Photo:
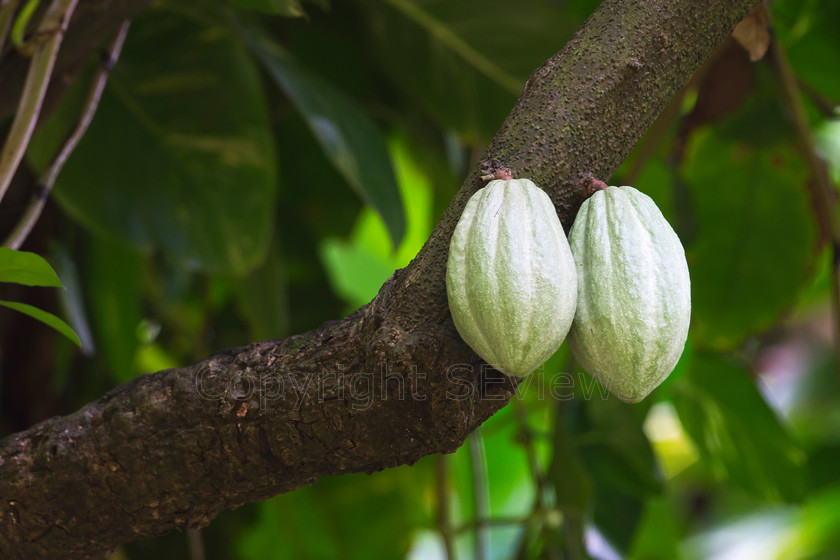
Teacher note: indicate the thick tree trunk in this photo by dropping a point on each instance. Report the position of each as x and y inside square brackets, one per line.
[383, 387]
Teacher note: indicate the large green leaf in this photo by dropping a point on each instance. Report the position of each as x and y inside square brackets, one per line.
[658, 534]
[736, 432]
[351, 517]
[621, 464]
[114, 283]
[180, 154]
[755, 243]
[22, 267]
[358, 267]
[73, 301]
[47, 318]
[467, 61]
[815, 532]
[808, 30]
[263, 297]
[349, 138]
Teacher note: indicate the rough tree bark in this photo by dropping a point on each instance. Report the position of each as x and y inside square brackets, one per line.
[385, 386]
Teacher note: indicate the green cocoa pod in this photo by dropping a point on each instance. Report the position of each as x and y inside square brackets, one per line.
[511, 279]
[634, 293]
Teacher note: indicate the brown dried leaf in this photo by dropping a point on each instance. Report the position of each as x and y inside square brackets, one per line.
[753, 33]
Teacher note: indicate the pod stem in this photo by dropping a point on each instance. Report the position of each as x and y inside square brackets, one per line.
[494, 169]
[592, 184]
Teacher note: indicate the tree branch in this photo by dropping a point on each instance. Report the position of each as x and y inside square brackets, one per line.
[52, 27]
[385, 386]
[93, 23]
[47, 179]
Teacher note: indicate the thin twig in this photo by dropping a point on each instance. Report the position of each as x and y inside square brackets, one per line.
[195, 544]
[443, 521]
[478, 463]
[526, 436]
[826, 106]
[48, 177]
[526, 433]
[53, 26]
[19, 28]
[821, 187]
[541, 515]
[7, 15]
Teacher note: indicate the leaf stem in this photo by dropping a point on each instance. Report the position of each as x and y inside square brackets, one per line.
[53, 25]
[541, 515]
[443, 520]
[22, 22]
[47, 179]
[550, 549]
[481, 499]
[821, 188]
[7, 15]
[195, 544]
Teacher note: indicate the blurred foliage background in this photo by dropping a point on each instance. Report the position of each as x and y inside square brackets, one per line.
[258, 167]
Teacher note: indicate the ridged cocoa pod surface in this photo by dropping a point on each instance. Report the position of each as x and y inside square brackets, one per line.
[634, 292]
[510, 278]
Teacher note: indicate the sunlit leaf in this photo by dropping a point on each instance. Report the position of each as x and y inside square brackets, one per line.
[22, 267]
[47, 318]
[755, 245]
[736, 432]
[815, 532]
[358, 267]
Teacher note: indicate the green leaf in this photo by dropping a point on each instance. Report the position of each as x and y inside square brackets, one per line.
[180, 154]
[349, 138]
[356, 274]
[658, 536]
[467, 61]
[288, 8]
[357, 268]
[815, 534]
[511, 489]
[47, 318]
[26, 268]
[808, 32]
[334, 520]
[736, 432]
[616, 449]
[73, 301]
[755, 244]
[573, 484]
[114, 284]
[621, 463]
[263, 297]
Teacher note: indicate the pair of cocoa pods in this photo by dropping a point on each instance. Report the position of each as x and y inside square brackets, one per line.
[619, 287]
